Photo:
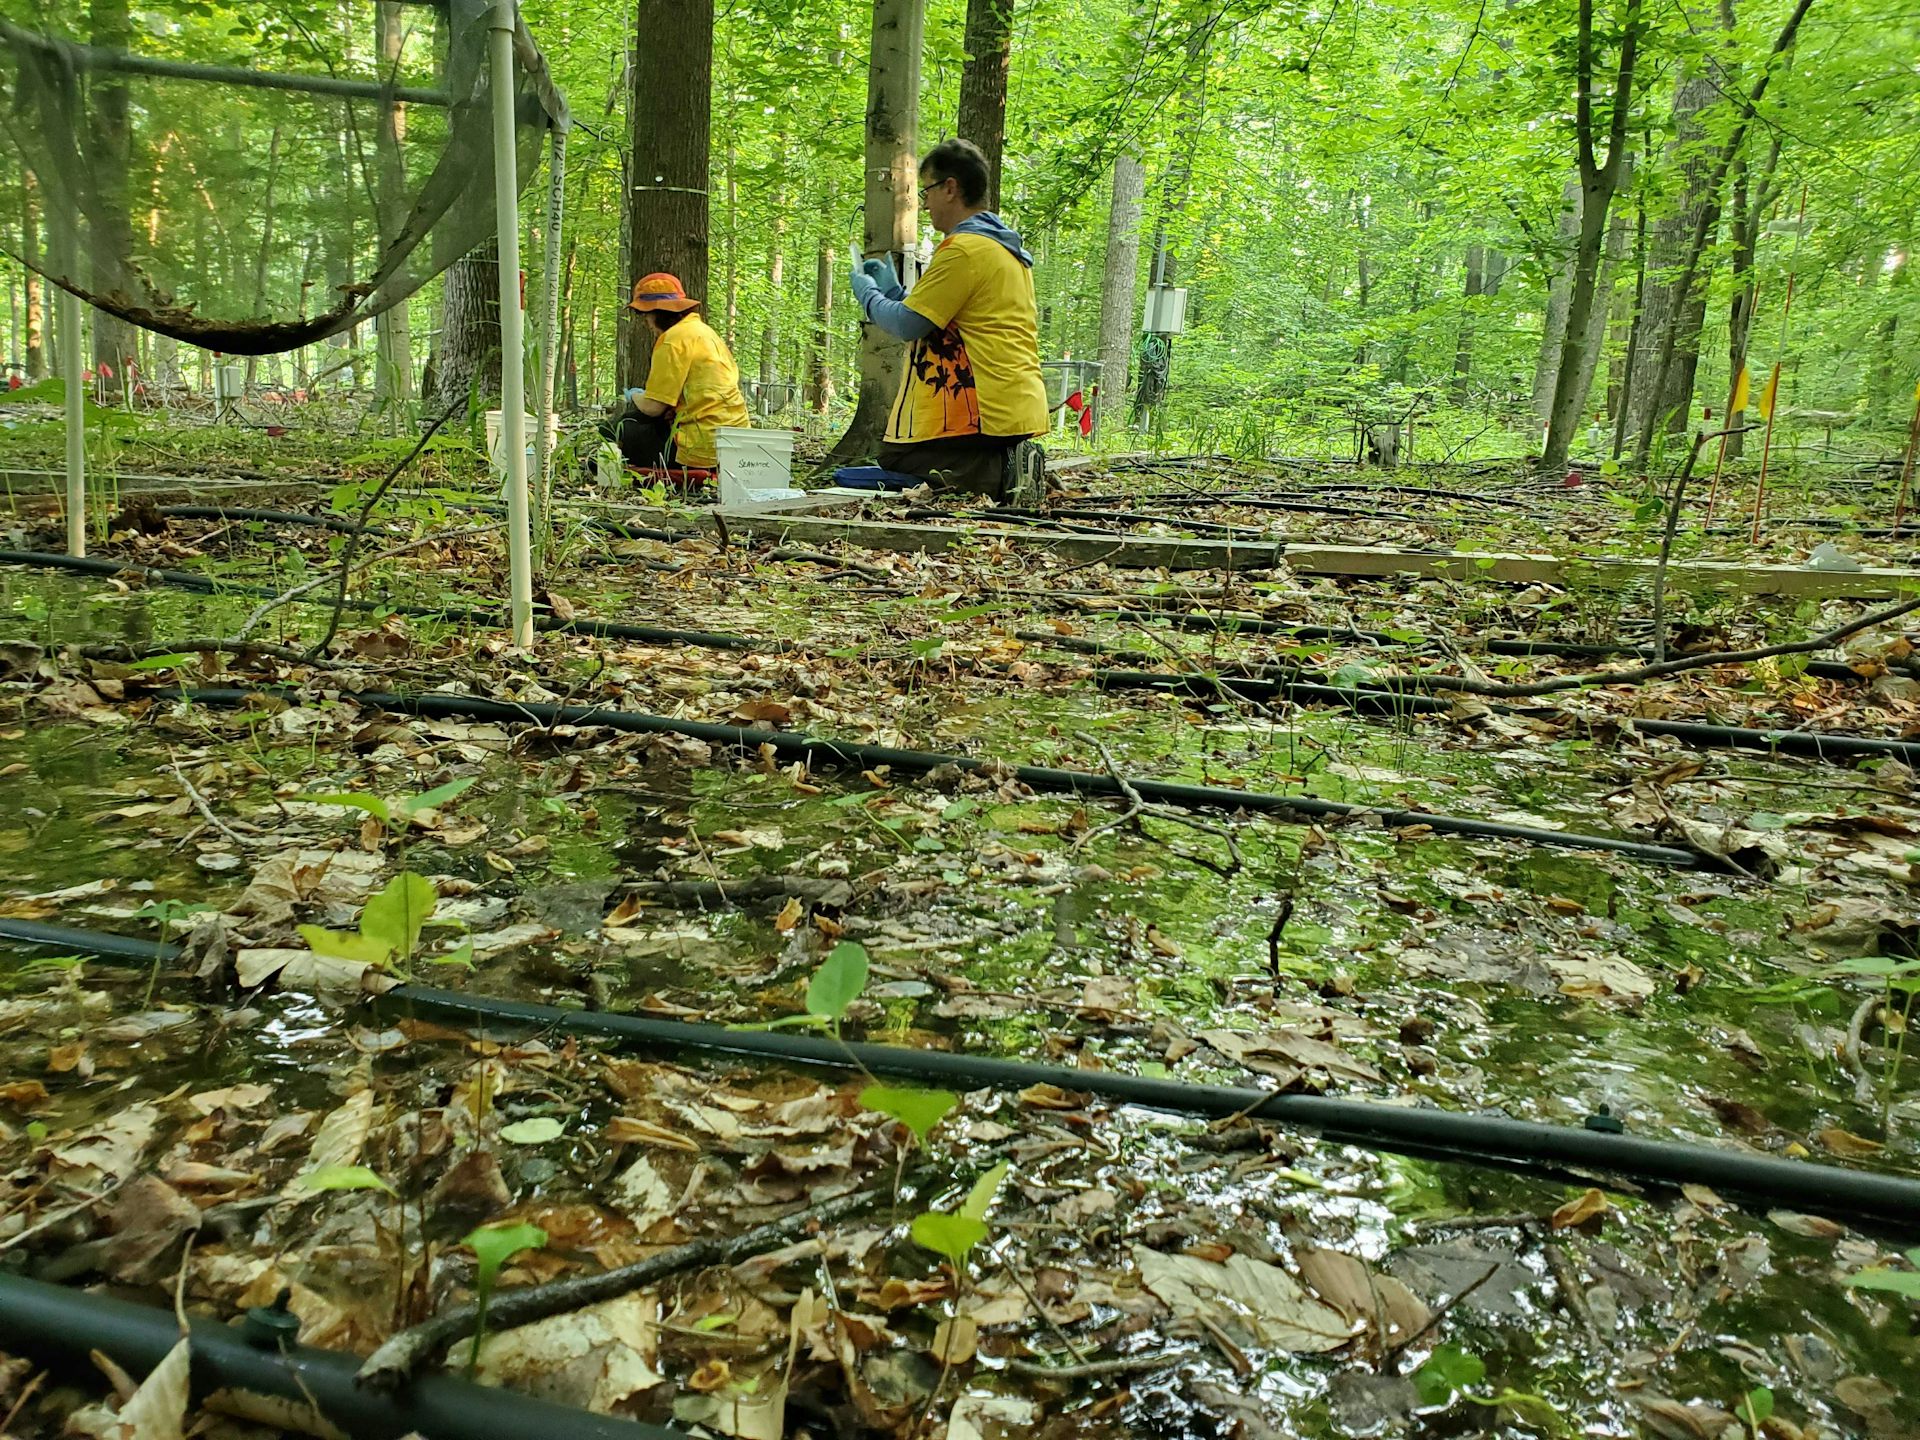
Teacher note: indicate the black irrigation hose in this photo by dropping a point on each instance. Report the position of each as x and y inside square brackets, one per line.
[1372, 1125]
[789, 745]
[61, 1328]
[206, 585]
[252, 512]
[1806, 743]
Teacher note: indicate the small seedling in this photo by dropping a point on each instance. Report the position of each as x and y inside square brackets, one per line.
[493, 1246]
[398, 812]
[390, 925]
[1896, 1282]
[341, 1177]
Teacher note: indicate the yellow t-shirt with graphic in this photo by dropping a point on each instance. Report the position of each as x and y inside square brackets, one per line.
[693, 372]
[979, 372]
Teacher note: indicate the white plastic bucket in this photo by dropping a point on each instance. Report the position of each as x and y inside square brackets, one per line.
[755, 465]
[497, 447]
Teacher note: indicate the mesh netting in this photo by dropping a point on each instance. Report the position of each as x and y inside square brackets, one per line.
[255, 187]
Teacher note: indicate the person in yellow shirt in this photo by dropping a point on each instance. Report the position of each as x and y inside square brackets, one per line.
[972, 389]
[692, 389]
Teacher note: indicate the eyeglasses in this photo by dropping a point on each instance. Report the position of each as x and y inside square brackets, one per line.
[934, 186]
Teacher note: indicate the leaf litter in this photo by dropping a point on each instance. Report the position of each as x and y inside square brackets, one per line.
[1233, 1252]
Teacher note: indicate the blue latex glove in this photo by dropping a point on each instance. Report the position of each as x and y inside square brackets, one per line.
[881, 273]
[865, 288]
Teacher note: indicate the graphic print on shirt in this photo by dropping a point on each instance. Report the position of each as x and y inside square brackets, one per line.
[939, 397]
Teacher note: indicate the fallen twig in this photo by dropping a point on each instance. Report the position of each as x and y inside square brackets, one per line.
[396, 1360]
[832, 562]
[1654, 671]
[1390, 1362]
[1103, 1369]
[267, 607]
[347, 551]
[1137, 807]
[1571, 1290]
[206, 813]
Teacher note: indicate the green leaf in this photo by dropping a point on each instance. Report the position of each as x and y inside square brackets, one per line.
[395, 915]
[918, 1110]
[1897, 1282]
[838, 982]
[1876, 965]
[718, 1321]
[344, 946]
[341, 1177]
[372, 804]
[433, 799]
[162, 662]
[462, 955]
[537, 1131]
[1757, 1407]
[949, 1235]
[967, 612]
[495, 1245]
[1447, 1370]
[981, 1196]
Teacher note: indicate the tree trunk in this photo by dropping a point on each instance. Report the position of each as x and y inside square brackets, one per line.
[468, 360]
[893, 118]
[1472, 288]
[819, 366]
[1176, 185]
[110, 241]
[1709, 212]
[393, 337]
[776, 282]
[1751, 201]
[1118, 281]
[1668, 297]
[1599, 179]
[36, 316]
[1553, 332]
[670, 105]
[1887, 398]
[983, 84]
[264, 257]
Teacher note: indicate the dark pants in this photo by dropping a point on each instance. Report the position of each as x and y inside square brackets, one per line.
[964, 464]
[644, 440]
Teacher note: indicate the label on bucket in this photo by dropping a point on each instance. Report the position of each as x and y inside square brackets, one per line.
[753, 460]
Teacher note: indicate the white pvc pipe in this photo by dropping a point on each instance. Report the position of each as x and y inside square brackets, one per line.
[549, 333]
[73, 359]
[513, 383]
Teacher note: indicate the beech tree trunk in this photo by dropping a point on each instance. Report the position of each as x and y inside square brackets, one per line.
[670, 103]
[1118, 281]
[983, 84]
[892, 218]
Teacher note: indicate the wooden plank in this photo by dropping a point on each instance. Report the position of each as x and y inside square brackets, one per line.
[1129, 551]
[1537, 569]
[1148, 552]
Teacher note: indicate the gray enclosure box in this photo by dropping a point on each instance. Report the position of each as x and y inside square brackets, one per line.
[1166, 311]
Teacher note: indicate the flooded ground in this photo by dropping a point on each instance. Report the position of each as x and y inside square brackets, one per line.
[1155, 1263]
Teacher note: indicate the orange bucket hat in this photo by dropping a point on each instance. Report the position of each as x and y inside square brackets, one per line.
[660, 291]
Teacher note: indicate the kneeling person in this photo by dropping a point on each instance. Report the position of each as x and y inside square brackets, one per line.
[972, 388]
[692, 389]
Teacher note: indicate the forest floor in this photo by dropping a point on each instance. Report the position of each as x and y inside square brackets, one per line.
[214, 1126]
